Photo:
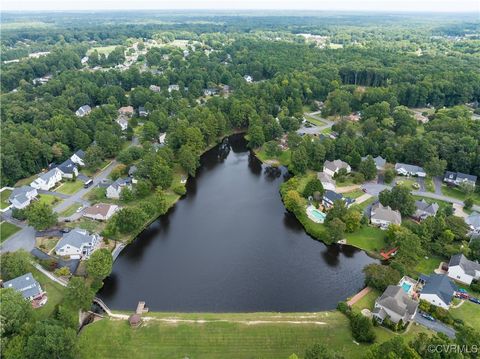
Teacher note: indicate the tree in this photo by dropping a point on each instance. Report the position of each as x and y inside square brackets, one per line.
[149, 131]
[129, 219]
[188, 159]
[15, 264]
[468, 203]
[51, 340]
[389, 175]
[435, 167]
[368, 168]
[15, 311]
[78, 294]
[362, 328]
[380, 276]
[352, 220]
[467, 187]
[93, 157]
[293, 201]
[312, 186]
[398, 198]
[336, 229]
[271, 148]
[394, 348]
[320, 351]
[299, 161]
[100, 263]
[256, 138]
[41, 216]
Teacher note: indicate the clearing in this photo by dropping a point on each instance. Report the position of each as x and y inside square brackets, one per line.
[69, 187]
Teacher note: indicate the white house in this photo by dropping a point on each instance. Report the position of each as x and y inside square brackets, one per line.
[47, 181]
[114, 190]
[68, 168]
[22, 196]
[101, 211]
[126, 111]
[173, 88]
[457, 178]
[384, 216]
[83, 111]
[473, 221]
[438, 290]
[161, 138]
[154, 88]
[248, 78]
[78, 158]
[77, 243]
[27, 286]
[122, 122]
[395, 304]
[328, 182]
[409, 170]
[461, 269]
[332, 167]
[142, 112]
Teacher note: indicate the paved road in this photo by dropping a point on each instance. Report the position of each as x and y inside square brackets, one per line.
[328, 123]
[23, 239]
[436, 326]
[437, 183]
[53, 193]
[77, 197]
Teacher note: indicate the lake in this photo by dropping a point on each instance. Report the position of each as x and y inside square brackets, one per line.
[230, 246]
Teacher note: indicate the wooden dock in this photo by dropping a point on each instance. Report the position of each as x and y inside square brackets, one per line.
[141, 308]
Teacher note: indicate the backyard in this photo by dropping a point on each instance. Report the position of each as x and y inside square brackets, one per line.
[4, 195]
[367, 238]
[468, 312]
[428, 264]
[7, 230]
[55, 293]
[70, 187]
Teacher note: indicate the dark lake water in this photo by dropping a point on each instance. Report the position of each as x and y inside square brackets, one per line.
[230, 246]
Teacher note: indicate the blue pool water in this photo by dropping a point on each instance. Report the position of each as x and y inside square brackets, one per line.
[318, 215]
[406, 287]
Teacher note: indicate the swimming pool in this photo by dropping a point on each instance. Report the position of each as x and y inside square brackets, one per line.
[406, 287]
[316, 215]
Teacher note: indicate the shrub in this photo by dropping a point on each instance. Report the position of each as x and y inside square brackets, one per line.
[62, 272]
[362, 328]
[180, 190]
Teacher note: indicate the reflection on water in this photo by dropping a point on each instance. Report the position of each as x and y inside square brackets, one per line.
[229, 245]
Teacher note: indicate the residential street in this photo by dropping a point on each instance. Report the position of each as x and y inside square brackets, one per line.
[436, 326]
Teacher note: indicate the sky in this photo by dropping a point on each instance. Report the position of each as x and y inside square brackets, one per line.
[470, 6]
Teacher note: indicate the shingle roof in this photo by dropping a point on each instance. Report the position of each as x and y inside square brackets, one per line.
[459, 176]
[75, 238]
[99, 209]
[67, 166]
[120, 182]
[335, 165]
[440, 285]
[473, 220]
[424, 206]
[25, 284]
[409, 168]
[396, 300]
[324, 178]
[46, 176]
[383, 213]
[80, 154]
[20, 194]
[468, 266]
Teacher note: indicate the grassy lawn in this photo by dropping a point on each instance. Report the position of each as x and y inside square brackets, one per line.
[367, 238]
[368, 301]
[87, 224]
[102, 50]
[89, 172]
[327, 130]
[408, 182]
[283, 159]
[429, 186]
[468, 312]
[70, 210]
[49, 199]
[458, 194]
[55, 293]
[314, 120]
[345, 181]
[4, 195]
[354, 194]
[7, 230]
[365, 204]
[96, 194]
[26, 181]
[428, 265]
[70, 187]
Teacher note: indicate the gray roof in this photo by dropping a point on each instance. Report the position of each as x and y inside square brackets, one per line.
[468, 266]
[424, 206]
[25, 284]
[333, 196]
[440, 285]
[383, 213]
[459, 176]
[46, 176]
[120, 182]
[335, 165]
[80, 154]
[82, 110]
[324, 178]
[396, 300]
[409, 168]
[67, 166]
[75, 238]
[379, 161]
[20, 194]
[132, 170]
[473, 220]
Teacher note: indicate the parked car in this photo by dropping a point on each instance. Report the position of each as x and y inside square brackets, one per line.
[428, 316]
[474, 300]
[461, 295]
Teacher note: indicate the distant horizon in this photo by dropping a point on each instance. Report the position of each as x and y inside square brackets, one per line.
[393, 6]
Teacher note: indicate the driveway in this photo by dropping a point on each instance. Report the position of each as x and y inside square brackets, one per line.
[421, 183]
[436, 326]
[374, 188]
[437, 183]
[23, 239]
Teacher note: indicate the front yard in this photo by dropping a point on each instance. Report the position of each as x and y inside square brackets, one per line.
[458, 194]
[4, 195]
[49, 199]
[468, 312]
[7, 230]
[70, 187]
[71, 210]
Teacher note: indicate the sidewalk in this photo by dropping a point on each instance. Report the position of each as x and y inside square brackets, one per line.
[359, 296]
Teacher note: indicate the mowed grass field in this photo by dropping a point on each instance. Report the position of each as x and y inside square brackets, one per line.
[249, 335]
[4, 195]
[7, 230]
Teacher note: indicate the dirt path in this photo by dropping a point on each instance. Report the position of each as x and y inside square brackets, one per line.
[359, 296]
[348, 188]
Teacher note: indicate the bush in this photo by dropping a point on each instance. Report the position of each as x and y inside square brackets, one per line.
[358, 178]
[475, 285]
[20, 214]
[362, 328]
[180, 190]
[62, 272]
[468, 203]
[344, 308]
[49, 264]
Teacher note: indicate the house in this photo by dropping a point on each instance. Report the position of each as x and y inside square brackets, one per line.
[84, 60]
[132, 170]
[77, 243]
[332, 167]
[154, 88]
[114, 190]
[173, 88]
[126, 111]
[83, 111]
[142, 112]
[27, 286]
[380, 162]
[210, 91]
[122, 122]
[101, 211]
[22, 196]
[396, 305]
[161, 138]
[47, 180]
[328, 182]
[329, 198]
[461, 269]
[248, 78]
[457, 178]
[437, 289]
[69, 169]
[409, 170]
[78, 158]
[473, 220]
[425, 209]
[382, 216]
